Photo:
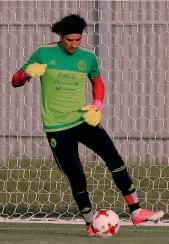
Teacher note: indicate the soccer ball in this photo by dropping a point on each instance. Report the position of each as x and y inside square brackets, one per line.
[106, 223]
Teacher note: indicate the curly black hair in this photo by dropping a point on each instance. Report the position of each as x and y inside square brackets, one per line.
[70, 24]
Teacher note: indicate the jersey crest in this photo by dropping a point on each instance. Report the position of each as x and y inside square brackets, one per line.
[81, 65]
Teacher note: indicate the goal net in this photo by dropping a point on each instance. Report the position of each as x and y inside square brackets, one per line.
[131, 41]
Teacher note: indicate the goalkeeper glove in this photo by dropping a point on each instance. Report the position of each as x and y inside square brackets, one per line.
[93, 115]
[36, 69]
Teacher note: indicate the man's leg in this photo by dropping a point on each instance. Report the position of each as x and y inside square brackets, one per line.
[65, 150]
[99, 141]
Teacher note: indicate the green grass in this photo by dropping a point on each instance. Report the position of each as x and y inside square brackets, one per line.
[37, 187]
[20, 233]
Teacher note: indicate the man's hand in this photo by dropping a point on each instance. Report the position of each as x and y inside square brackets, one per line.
[93, 113]
[36, 69]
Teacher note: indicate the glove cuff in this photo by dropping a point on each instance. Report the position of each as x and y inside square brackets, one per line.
[25, 76]
[98, 104]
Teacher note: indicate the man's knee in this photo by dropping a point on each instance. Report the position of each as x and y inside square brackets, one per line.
[115, 162]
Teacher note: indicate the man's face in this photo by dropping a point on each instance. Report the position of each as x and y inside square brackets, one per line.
[71, 42]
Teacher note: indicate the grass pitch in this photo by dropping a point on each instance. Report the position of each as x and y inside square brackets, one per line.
[21, 233]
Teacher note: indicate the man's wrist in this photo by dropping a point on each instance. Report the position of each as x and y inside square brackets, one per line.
[25, 76]
[98, 104]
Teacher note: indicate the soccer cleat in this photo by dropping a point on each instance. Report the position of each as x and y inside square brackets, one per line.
[147, 215]
[90, 231]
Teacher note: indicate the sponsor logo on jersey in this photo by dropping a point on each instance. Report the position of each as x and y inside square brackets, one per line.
[62, 75]
[58, 88]
[64, 88]
[82, 65]
[72, 83]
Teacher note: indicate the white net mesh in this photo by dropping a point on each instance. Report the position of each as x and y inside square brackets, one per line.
[131, 41]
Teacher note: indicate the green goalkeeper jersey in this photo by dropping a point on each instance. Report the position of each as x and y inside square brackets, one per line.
[63, 85]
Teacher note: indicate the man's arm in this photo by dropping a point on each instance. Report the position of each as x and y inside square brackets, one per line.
[21, 76]
[98, 88]
[93, 112]
[96, 80]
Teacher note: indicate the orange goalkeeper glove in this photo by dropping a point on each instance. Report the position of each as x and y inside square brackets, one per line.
[36, 69]
[93, 113]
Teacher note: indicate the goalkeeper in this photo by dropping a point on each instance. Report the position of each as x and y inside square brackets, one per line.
[63, 68]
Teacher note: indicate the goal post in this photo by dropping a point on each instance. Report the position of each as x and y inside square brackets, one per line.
[131, 41]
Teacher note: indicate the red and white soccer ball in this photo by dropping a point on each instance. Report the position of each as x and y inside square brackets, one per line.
[106, 223]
